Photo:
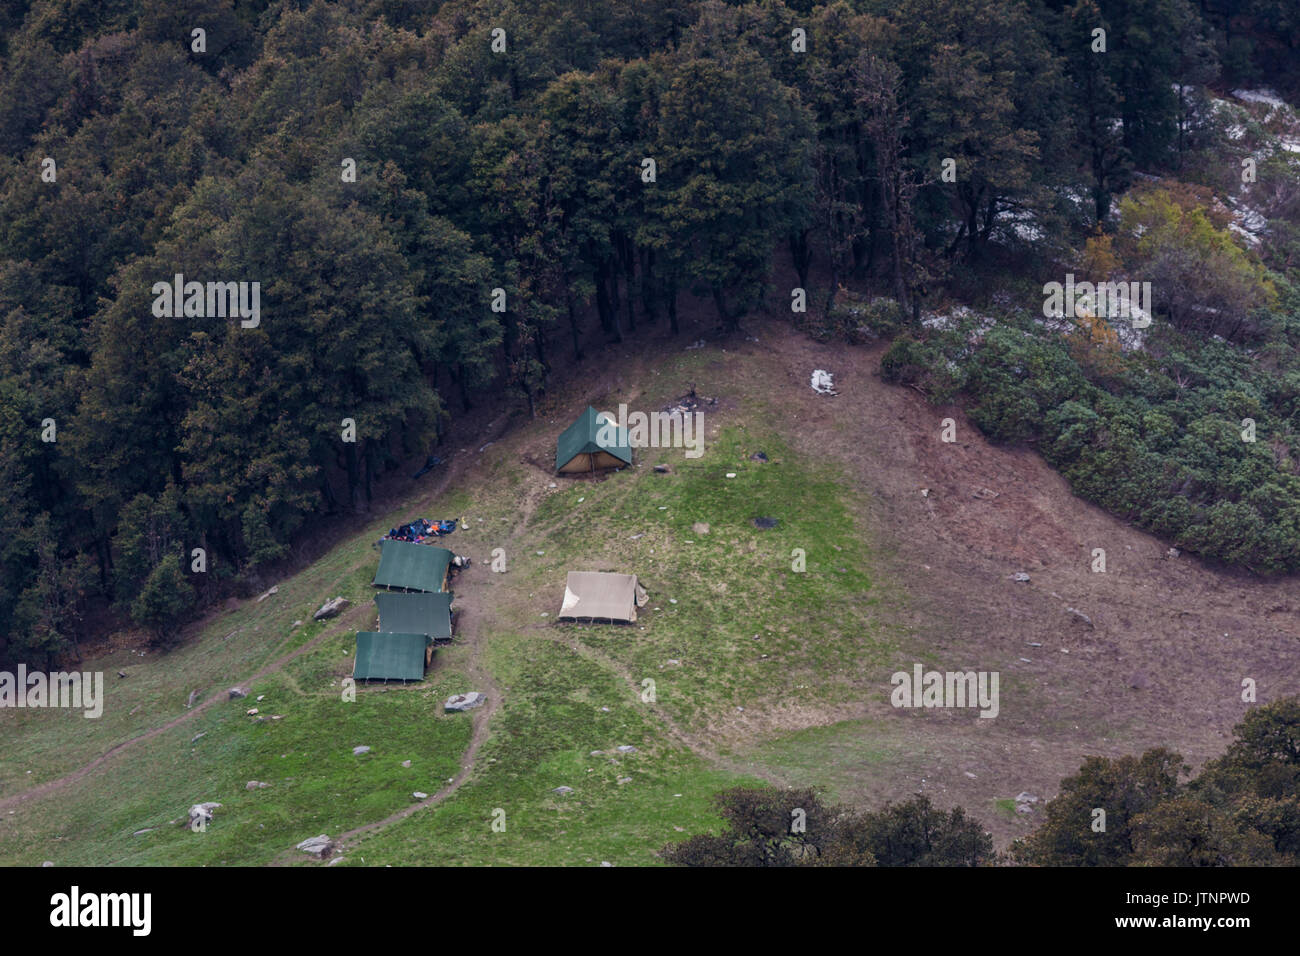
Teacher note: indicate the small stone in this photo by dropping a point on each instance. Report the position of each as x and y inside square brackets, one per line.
[406, 763]
[562, 790]
[358, 751]
[420, 795]
[626, 749]
[1022, 577]
[256, 785]
[461, 702]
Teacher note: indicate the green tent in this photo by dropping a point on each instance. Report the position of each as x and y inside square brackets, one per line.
[391, 656]
[580, 451]
[405, 613]
[412, 567]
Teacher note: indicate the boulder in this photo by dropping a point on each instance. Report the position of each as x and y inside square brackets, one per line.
[201, 812]
[626, 749]
[237, 692]
[318, 846]
[562, 790]
[465, 701]
[1022, 577]
[358, 751]
[420, 795]
[330, 608]
[1025, 797]
[256, 785]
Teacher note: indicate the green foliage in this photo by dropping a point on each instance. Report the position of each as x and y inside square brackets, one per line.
[522, 170]
[164, 599]
[1242, 809]
[769, 827]
[1159, 441]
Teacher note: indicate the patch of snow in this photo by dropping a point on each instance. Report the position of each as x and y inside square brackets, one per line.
[1260, 96]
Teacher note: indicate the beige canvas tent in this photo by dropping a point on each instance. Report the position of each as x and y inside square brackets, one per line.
[597, 596]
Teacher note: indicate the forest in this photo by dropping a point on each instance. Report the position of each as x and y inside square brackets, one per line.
[433, 202]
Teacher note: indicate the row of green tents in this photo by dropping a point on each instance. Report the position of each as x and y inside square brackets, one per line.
[415, 609]
[414, 612]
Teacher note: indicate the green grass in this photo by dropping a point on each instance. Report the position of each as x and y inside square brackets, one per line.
[550, 722]
[745, 628]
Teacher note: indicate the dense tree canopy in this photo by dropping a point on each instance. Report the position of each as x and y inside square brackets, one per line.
[432, 198]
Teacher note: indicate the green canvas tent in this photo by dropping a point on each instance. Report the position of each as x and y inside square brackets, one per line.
[391, 656]
[579, 449]
[412, 567]
[405, 613]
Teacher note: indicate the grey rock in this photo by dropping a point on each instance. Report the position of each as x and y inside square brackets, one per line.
[465, 701]
[626, 749]
[330, 608]
[238, 692]
[1022, 577]
[420, 795]
[358, 751]
[406, 763]
[256, 785]
[562, 790]
[318, 846]
[1025, 797]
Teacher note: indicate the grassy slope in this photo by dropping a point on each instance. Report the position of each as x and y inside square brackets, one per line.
[747, 630]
